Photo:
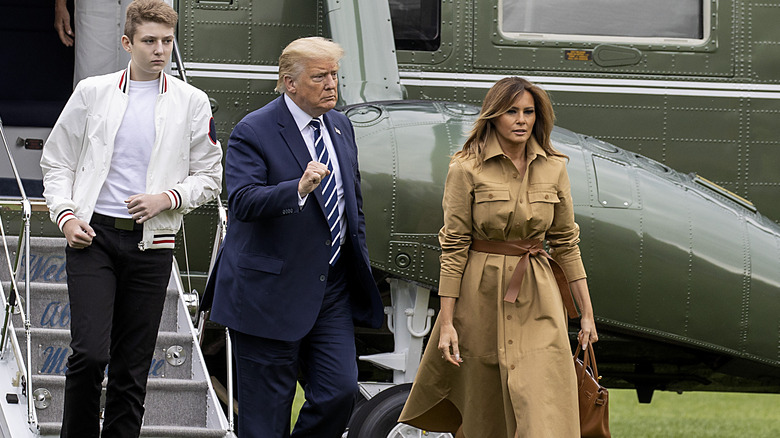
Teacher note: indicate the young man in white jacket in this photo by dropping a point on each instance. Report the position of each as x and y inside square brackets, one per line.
[131, 153]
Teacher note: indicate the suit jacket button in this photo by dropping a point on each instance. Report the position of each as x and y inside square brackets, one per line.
[322, 278]
[327, 242]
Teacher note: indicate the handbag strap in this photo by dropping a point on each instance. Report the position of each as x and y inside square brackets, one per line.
[589, 359]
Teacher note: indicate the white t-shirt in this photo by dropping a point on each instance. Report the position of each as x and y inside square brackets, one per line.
[132, 149]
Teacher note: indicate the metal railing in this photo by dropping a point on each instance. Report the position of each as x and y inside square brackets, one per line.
[24, 243]
[218, 238]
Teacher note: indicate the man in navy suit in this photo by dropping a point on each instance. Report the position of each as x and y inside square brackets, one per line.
[293, 272]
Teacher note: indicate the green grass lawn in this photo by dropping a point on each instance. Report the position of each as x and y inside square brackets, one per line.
[297, 403]
[694, 415]
[687, 415]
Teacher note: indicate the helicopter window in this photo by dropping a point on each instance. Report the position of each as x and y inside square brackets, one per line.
[416, 24]
[613, 20]
[615, 183]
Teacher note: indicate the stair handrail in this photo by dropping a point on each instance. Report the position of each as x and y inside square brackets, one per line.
[24, 241]
[13, 297]
[9, 305]
[220, 236]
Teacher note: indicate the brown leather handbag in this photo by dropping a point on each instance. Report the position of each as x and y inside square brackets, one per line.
[593, 398]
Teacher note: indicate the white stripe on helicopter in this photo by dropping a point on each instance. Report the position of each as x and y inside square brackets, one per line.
[551, 83]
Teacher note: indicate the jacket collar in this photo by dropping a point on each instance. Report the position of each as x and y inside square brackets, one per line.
[493, 149]
[124, 81]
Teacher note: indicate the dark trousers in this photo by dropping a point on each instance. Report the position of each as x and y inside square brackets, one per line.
[267, 371]
[117, 294]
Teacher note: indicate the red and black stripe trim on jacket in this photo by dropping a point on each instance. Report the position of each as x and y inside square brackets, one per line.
[64, 216]
[124, 82]
[175, 199]
[164, 239]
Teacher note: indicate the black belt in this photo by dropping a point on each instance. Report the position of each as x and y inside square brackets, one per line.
[119, 223]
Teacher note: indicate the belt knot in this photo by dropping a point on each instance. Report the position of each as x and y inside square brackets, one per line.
[525, 249]
[536, 250]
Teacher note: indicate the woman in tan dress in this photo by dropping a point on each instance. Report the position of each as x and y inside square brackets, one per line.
[498, 363]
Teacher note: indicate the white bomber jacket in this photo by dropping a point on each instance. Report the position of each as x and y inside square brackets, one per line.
[186, 160]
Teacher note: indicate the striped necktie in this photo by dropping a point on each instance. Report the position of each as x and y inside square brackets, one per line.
[328, 185]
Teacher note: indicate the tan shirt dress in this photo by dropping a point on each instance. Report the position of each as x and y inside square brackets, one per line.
[517, 373]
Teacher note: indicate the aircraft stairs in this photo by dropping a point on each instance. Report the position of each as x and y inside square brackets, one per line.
[180, 400]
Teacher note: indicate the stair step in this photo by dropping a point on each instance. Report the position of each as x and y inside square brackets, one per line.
[51, 350]
[53, 430]
[47, 263]
[169, 402]
[178, 402]
[180, 432]
[50, 308]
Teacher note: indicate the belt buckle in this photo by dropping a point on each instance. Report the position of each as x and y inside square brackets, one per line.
[123, 224]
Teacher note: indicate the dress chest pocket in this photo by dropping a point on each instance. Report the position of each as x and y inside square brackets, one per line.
[492, 207]
[542, 204]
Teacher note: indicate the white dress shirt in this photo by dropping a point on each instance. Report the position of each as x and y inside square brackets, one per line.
[302, 120]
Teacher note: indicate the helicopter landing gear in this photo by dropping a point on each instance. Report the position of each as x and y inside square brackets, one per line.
[377, 417]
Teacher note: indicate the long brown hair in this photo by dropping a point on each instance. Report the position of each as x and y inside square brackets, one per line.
[499, 99]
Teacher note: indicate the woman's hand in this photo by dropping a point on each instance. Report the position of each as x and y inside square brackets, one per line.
[587, 334]
[448, 344]
[62, 22]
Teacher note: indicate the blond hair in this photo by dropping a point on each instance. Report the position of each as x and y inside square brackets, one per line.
[294, 57]
[499, 99]
[141, 11]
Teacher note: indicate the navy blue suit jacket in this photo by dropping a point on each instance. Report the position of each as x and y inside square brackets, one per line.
[270, 275]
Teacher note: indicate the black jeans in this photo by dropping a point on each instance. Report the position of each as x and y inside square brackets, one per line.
[117, 293]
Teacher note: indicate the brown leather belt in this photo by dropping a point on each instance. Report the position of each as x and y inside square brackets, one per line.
[525, 249]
